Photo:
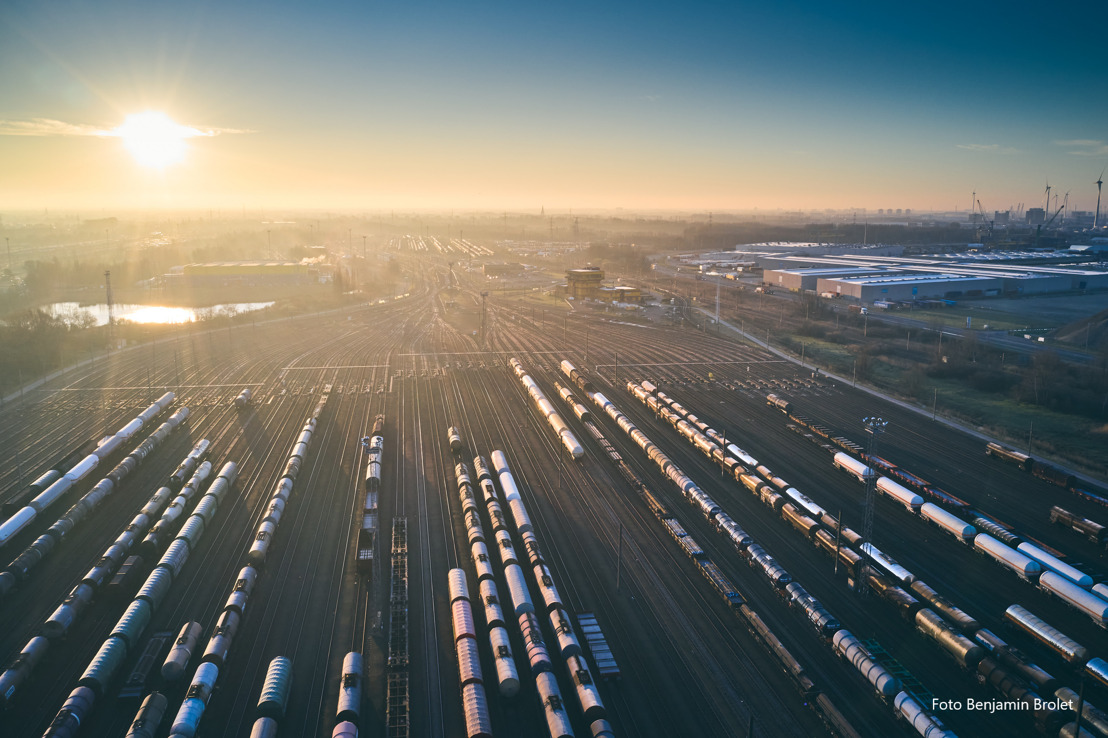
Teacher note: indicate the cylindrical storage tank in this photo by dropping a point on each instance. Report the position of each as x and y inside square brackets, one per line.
[74, 711]
[549, 593]
[1098, 669]
[531, 547]
[1007, 556]
[1078, 577]
[557, 721]
[188, 718]
[1091, 716]
[193, 529]
[220, 642]
[350, 690]
[587, 693]
[490, 600]
[275, 690]
[345, 729]
[481, 468]
[563, 631]
[149, 716]
[476, 708]
[469, 661]
[474, 531]
[133, 622]
[519, 515]
[203, 681]
[1083, 600]
[284, 489]
[264, 727]
[59, 622]
[537, 655]
[21, 668]
[517, 590]
[175, 556]
[853, 651]
[921, 722]
[244, 585]
[571, 444]
[260, 548]
[98, 675]
[506, 674]
[950, 523]
[959, 618]
[963, 650]
[462, 617]
[481, 561]
[177, 660]
[505, 548]
[275, 509]
[206, 508]
[457, 585]
[601, 729]
[1069, 649]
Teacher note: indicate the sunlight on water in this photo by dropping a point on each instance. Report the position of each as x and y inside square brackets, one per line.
[149, 314]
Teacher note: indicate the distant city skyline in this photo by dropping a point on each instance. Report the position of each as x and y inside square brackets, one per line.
[421, 106]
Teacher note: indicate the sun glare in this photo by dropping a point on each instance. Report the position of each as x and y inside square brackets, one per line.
[154, 139]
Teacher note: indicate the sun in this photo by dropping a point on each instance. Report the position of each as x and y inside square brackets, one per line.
[154, 139]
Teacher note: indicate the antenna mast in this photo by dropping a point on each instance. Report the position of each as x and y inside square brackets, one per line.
[1099, 182]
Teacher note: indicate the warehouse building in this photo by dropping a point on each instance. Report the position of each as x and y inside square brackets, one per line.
[901, 287]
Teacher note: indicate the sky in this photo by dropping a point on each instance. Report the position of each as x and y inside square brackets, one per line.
[520, 106]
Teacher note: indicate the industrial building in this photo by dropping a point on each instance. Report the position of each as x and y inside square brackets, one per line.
[971, 275]
[586, 284]
[901, 287]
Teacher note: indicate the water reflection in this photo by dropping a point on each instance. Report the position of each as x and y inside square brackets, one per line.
[75, 312]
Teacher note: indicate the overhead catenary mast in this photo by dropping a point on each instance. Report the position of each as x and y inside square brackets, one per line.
[1099, 182]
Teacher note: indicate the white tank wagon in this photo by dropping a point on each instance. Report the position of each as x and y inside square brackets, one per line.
[888, 564]
[546, 409]
[952, 524]
[557, 721]
[1049, 561]
[507, 676]
[852, 466]
[196, 701]
[1075, 597]
[906, 497]
[1007, 556]
[475, 707]
[350, 689]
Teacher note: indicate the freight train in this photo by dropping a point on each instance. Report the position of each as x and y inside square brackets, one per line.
[931, 620]
[1041, 469]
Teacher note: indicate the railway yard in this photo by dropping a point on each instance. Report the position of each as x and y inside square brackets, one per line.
[347, 507]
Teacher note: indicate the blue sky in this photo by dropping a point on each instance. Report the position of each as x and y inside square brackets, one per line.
[516, 105]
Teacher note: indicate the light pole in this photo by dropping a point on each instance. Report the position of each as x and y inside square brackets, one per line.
[874, 427]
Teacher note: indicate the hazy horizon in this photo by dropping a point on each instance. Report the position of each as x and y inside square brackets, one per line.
[432, 107]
